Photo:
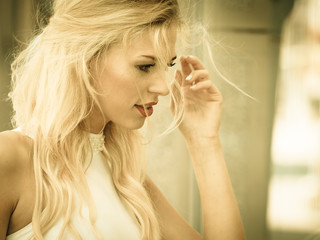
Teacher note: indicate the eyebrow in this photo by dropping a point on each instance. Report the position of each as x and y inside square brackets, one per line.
[153, 58]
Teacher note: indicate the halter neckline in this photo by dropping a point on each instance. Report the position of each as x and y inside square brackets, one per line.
[97, 141]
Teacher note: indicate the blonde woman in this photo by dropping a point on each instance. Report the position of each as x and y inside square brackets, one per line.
[72, 169]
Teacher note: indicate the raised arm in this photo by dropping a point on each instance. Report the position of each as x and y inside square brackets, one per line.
[200, 128]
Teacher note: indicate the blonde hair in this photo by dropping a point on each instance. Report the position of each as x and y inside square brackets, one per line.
[53, 94]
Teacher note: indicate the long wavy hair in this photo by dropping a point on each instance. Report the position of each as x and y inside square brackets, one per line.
[53, 95]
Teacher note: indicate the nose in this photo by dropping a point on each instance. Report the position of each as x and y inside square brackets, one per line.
[159, 85]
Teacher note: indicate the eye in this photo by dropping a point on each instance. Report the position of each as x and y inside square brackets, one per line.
[146, 68]
[171, 64]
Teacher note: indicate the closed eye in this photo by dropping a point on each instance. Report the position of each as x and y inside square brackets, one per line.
[146, 67]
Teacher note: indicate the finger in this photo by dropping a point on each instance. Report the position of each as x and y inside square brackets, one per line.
[197, 76]
[185, 66]
[206, 85]
[195, 62]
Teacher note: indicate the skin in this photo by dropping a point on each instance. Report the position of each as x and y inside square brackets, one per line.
[200, 129]
[134, 73]
[120, 72]
[17, 185]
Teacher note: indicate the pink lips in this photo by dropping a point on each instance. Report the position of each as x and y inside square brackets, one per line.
[148, 110]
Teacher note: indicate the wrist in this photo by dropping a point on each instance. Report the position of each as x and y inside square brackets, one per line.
[203, 140]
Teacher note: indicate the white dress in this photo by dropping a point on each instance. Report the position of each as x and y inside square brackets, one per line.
[113, 220]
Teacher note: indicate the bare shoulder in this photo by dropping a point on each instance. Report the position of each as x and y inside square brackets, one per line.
[15, 153]
[15, 150]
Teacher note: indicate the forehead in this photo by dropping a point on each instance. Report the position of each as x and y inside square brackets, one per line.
[154, 44]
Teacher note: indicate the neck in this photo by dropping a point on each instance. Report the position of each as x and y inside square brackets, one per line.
[96, 122]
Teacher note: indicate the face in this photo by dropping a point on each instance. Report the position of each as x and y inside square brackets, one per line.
[129, 79]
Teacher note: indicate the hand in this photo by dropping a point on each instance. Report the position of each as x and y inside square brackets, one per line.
[202, 100]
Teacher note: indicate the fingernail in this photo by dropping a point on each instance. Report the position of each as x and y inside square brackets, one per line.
[190, 56]
[175, 73]
[193, 86]
[188, 78]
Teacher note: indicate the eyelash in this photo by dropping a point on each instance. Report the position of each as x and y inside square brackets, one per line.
[146, 68]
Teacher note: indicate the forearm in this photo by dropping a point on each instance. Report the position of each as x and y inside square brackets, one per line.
[220, 211]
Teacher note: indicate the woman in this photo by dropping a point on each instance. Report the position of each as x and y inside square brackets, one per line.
[73, 169]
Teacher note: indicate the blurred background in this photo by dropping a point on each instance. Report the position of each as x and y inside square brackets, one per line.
[269, 49]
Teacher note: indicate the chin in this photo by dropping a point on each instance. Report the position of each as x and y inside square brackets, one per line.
[133, 125]
[138, 126]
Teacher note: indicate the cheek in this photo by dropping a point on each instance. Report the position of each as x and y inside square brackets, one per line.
[115, 79]
[118, 89]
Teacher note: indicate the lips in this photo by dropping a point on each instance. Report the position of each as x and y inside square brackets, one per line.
[147, 110]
